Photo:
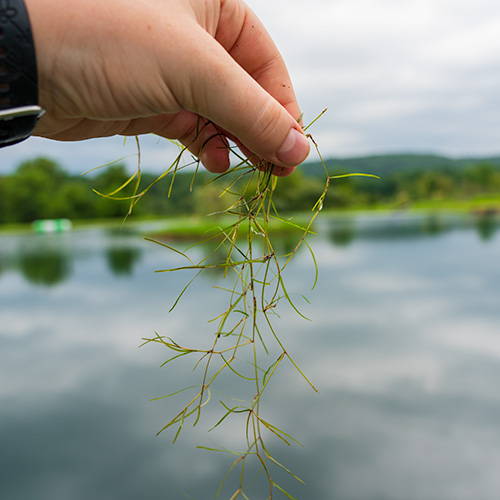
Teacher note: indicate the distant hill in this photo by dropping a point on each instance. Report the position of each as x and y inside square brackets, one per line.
[384, 165]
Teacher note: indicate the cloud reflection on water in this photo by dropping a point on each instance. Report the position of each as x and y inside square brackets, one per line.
[408, 404]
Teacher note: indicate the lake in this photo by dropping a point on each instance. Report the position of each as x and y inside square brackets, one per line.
[404, 346]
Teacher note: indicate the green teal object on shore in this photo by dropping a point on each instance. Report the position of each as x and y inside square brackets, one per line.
[52, 226]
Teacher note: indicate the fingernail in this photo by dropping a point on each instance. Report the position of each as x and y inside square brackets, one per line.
[294, 149]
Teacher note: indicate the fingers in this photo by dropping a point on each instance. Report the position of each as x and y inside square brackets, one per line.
[255, 160]
[246, 39]
[200, 136]
[210, 146]
[225, 93]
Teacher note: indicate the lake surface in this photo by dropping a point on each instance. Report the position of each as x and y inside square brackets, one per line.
[404, 346]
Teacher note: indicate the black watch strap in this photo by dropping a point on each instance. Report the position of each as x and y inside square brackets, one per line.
[19, 110]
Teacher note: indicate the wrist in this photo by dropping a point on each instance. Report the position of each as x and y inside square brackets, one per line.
[19, 109]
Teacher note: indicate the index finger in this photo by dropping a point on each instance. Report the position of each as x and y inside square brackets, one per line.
[246, 39]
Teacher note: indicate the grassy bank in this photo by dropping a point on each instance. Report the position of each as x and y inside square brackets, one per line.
[195, 226]
[176, 227]
[199, 227]
[479, 204]
[105, 223]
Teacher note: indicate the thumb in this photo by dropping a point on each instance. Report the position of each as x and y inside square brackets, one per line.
[226, 94]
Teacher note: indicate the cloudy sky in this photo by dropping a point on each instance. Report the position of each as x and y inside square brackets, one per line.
[396, 75]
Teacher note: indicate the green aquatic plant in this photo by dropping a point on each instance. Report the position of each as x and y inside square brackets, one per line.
[244, 340]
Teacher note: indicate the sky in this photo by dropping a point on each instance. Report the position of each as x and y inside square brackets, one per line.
[395, 75]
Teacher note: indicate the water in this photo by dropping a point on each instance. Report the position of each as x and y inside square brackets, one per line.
[404, 346]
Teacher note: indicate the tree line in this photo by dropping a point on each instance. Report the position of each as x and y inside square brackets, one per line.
[41, 188]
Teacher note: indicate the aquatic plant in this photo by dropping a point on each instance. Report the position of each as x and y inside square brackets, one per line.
[244, 339]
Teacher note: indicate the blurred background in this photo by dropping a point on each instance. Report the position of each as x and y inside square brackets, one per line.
[405, 339]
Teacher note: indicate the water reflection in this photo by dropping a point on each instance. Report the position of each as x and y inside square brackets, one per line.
[405, 228]
[45, 267]
[3, 264]
[433, 225]
[403, 345]
[214, 252]
[285, 243]
[122, 260]
[48, 261]
[486, 226]
[343, 233]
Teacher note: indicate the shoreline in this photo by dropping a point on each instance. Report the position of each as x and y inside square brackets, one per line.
[197, 224]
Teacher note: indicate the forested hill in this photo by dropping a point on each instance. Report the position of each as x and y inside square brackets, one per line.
[384, 165]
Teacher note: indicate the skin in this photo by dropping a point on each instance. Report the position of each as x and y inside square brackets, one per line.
[199, 71]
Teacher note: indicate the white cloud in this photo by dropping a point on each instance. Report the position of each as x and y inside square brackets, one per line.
[397, 75]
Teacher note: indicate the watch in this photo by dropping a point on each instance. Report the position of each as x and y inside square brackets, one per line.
[19, 109]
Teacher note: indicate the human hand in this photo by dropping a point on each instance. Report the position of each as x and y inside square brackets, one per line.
[193, 70]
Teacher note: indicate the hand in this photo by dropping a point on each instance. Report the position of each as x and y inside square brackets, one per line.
[193, 70]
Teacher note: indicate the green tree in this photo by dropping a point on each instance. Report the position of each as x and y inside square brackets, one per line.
[297, 192]
[32, 189]
[74, 200]
[107, 181]
[433, 185]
